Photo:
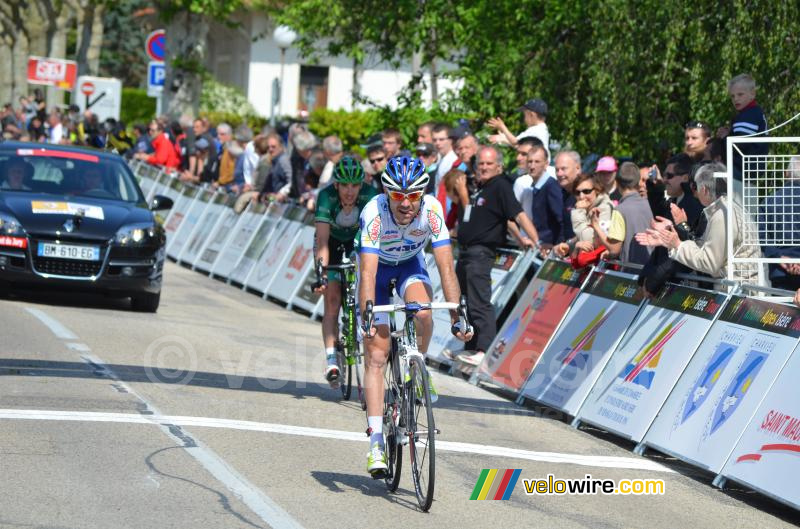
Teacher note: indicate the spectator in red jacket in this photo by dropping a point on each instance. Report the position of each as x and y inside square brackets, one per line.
[165, 154]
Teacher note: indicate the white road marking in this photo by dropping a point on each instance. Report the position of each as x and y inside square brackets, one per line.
[261, 504]
[208, 422]
[54, 325]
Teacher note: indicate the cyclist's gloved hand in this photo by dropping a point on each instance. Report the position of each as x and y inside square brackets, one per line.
[462, 331]
[319, 286]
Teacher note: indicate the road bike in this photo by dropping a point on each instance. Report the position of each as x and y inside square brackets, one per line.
[408, 415]
[348, 351]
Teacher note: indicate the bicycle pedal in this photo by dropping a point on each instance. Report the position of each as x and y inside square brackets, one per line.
[380, 474]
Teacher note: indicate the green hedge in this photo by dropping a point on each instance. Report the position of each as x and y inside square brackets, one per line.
[137, 106]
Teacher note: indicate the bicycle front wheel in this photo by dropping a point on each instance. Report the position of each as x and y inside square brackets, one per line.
[421, 432]
[345, 372]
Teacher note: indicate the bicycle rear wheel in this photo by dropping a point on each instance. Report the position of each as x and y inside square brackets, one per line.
[421, 432]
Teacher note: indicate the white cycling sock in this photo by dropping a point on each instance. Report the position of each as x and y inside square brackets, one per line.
[376, 424]
[330, 354]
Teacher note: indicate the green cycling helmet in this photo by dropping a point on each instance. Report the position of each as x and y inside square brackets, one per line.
[348, 171]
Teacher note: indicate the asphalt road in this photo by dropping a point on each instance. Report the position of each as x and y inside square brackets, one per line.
[212, 413]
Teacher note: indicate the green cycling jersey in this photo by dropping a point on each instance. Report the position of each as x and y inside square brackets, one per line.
[344, 226]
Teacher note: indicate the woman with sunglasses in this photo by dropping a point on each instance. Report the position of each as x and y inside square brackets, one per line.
[589, 197]
[395, 228]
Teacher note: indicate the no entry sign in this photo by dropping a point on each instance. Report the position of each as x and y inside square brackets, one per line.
[87, 88]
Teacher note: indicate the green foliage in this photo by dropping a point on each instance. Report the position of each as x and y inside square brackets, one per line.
[235, 119]
[122, 54]
[136, 106]
[355, 127]
[619, 76]
[226, 99]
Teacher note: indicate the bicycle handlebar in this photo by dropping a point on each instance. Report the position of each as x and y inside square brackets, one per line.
[413, 307]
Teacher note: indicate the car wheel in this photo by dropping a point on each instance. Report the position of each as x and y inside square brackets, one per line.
[145, 302]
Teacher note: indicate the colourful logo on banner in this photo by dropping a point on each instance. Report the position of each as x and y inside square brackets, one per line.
[737, 389]
[585, 340]
[784, 448]
[708, 379]
[642, 369]
[494, 484]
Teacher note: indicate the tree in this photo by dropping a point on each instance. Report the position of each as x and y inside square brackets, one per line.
[186, 32]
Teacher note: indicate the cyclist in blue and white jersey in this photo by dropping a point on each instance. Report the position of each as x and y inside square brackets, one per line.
[395, 228]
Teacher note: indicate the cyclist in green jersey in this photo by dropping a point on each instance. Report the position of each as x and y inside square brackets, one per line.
[338, 211]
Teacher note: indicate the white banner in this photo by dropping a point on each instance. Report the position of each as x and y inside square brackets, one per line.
[237, 243]
[186, 217]
[767, 456]
[579, 351]
[293, 268]
[643, 370]
[263, 235]
[203, 230]
[216, 240]
[724, 383]
[266, 262]
[190, 224]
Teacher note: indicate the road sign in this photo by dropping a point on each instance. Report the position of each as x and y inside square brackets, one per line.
[101, 95]
[87, 88]
[155, 45]
[156, 72]
[52, 72]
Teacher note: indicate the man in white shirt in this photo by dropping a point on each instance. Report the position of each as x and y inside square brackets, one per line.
[535, 114]
[333, 149]
[444, 144]
[56, 132]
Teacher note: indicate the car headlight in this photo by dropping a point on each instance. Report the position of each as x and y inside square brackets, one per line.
[135, 234]
[10, 226]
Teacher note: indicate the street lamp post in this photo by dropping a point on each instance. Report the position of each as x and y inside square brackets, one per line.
[283, 37]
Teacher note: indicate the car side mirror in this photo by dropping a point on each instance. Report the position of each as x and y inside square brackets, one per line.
[161, 202]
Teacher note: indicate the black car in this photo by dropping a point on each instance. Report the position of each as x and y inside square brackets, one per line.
[75, 218]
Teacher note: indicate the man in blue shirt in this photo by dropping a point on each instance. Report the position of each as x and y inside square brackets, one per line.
[542, 201]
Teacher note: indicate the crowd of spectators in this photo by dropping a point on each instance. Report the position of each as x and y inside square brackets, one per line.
[667, 216]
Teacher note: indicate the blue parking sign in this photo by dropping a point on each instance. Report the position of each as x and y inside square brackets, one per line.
[155, 78]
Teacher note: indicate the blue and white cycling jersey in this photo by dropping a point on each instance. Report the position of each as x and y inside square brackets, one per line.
[397, 244]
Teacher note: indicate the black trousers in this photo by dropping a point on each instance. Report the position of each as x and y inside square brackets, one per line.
[473, 270]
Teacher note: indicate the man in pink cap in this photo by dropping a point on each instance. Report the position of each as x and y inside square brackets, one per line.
[606, 176]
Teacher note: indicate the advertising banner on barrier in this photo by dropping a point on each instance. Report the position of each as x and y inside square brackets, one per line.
[203, 229]
[238, 241]
[305, 298]
[216, 240]
[267, 262]
[295, 265]
[194, 213]
[570, 365]
[725, 381]
[533, 321]
[767, 456]
[274, 214]
[508, 270]
[643, 370]
[182, 202]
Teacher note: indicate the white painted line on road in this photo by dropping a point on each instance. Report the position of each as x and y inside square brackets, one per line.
[261, 504]
[55, 326]
[465, 448]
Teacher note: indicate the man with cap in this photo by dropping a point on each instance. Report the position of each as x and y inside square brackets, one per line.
[534, 112]
[606, 175]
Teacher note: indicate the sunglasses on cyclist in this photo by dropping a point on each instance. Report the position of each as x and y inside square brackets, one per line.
[584, 191]
[412, 196]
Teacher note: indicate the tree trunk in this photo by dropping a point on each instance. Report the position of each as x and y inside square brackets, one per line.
[434, 82]
[186, 55]
[90, 36]
[355, 95]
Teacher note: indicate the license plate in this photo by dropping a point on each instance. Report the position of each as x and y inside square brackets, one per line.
[69, 251]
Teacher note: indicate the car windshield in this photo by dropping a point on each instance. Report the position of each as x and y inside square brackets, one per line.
[73, 173]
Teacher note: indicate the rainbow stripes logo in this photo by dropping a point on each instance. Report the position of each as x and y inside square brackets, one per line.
[494, 484]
